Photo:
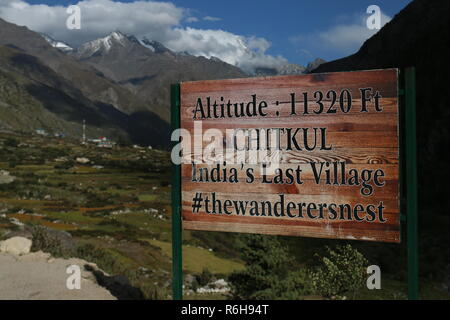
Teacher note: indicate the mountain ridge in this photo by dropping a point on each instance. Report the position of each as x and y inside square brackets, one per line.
[157, 47]
[149, 73]
[118, 83]
[418, 36]
[56, 103]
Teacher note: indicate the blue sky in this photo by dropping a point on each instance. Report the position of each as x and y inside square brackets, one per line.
[279, 21]
[296, 30]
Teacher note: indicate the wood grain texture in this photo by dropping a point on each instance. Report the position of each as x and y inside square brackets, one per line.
[284, 109]
[362, 140]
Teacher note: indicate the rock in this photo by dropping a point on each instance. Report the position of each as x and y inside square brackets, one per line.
[82, 160]
[219, 284]
[314, 65]
[118, 285]
[16, 245]
[143, 269]
[26, 233]
[5, 177]
[17, 222]
[189, 279]
[35, 256]
[33, 277]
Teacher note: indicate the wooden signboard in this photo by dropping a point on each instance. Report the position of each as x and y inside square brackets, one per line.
[330, 155]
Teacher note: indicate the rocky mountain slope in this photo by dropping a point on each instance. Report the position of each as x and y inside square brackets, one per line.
[64, 47]
[147, 68]
[93, 85]
[286, 69]
[118, 83]
[314, 65]
[418, 36]
[120, 87]
[33, 96]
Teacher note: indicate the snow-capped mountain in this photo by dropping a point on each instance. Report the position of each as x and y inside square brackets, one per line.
[64, 47]
[148, 44]
[114, 42]
[155, 46]
[103, 45]
[147, 67]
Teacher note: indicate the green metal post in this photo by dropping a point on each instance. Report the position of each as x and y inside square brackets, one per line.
[411, 184]
[177, 267]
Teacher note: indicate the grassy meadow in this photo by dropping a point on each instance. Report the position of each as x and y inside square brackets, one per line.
[117, 205]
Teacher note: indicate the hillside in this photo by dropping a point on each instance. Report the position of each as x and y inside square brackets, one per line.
[119, 84]
[418, 36]
[112, 209]
[33, 96]
[84, 78]
[147, 68]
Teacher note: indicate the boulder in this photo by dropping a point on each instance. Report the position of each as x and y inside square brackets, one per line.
[220, 284]
[16, 245]
[25, 233]
[5, 177]
[82, 160]
[189, 279]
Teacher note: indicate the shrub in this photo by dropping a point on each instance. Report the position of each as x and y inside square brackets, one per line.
[164, 183]
[204, 278]
[65, 165]
[341, 270]
[131, 286]
[103, 258]
[152, 292]
[195, 285]
[51, 153]
[268, 273]
[12, 164]
[43, 241]
[11, 142]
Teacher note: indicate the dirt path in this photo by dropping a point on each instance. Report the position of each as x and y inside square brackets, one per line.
[37, 276]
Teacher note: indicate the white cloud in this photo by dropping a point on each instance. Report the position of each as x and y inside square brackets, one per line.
[305, 52]
[344, 38]
[192, 19]
[160, 21]
[209, 18]
[244, 52]
[98, 17]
